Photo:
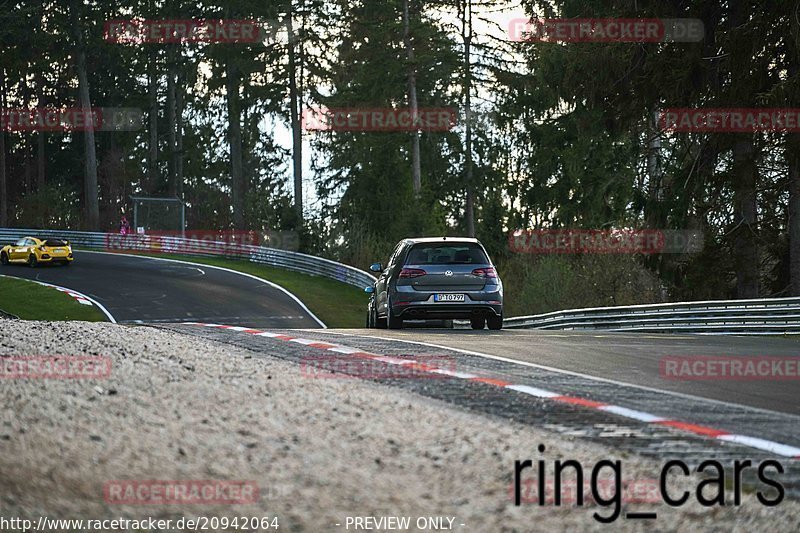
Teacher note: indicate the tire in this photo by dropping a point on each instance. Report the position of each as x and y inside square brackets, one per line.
[477, 322]
[371, 322]
[4, 259]
[392, 322]
[377, 321]
[495, 322]
[67, 263]
[32, 261]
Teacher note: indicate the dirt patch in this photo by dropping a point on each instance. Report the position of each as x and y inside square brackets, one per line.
[179, 408]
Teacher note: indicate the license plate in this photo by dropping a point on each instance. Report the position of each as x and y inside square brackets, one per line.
[448, 297]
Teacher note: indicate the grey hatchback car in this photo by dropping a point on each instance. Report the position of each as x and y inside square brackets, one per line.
[436, 278]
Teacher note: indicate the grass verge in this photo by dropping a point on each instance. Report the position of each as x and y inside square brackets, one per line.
[337, 304]
[31, 301]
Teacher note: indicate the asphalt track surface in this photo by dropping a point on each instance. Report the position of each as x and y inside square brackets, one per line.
[631, 358]
[138, 289]
[615, 414]
[147, 290]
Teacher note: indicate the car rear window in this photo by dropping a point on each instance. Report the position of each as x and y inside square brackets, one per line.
[54, 242]
[446, 254]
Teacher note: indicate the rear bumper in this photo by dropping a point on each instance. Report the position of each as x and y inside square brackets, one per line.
[421, 305]
[466, 310]
[47, 258]
[410, 303]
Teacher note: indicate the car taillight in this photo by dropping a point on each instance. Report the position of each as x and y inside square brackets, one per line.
[412, 273]
[42, 248]
[485, 272]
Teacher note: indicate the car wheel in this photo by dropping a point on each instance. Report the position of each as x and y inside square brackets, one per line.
[32, 261]
[377, 321]
[392, 322]
[67, 263]
[495, 322]
[477, 322]
[371, 317]
[4, 259]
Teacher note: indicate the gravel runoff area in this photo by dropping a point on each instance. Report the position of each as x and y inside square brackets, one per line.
[320, 450]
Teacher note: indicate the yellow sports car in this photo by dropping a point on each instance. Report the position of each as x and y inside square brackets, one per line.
[35, 251]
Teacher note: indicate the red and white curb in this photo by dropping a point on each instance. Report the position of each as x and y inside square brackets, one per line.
[79, 297]
[640, 416]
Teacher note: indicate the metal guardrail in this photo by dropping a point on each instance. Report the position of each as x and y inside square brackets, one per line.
[775, 316]
[767, 316]
[298, 262]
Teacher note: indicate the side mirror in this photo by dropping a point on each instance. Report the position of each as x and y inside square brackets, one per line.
[376, 267]
[369, 290]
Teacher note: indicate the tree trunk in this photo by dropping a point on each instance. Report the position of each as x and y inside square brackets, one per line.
[152, 89]
[653, 171]
[466, 34]
[295, 104]
[27, 170]
[744, 170]
[3, 184]
[745, 208]
[41, 102]
[26, 143]
[179, 134]
[416, 171]
[90, 182]
[172, 169]
[235, 142]
[793, 159]
[40, 165]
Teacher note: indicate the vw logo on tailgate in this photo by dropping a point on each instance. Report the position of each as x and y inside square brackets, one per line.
[448, 272]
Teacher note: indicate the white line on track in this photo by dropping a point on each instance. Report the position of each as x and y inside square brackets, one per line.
[699, 430]
[570, 372]
[197, 265]
[75, 294]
